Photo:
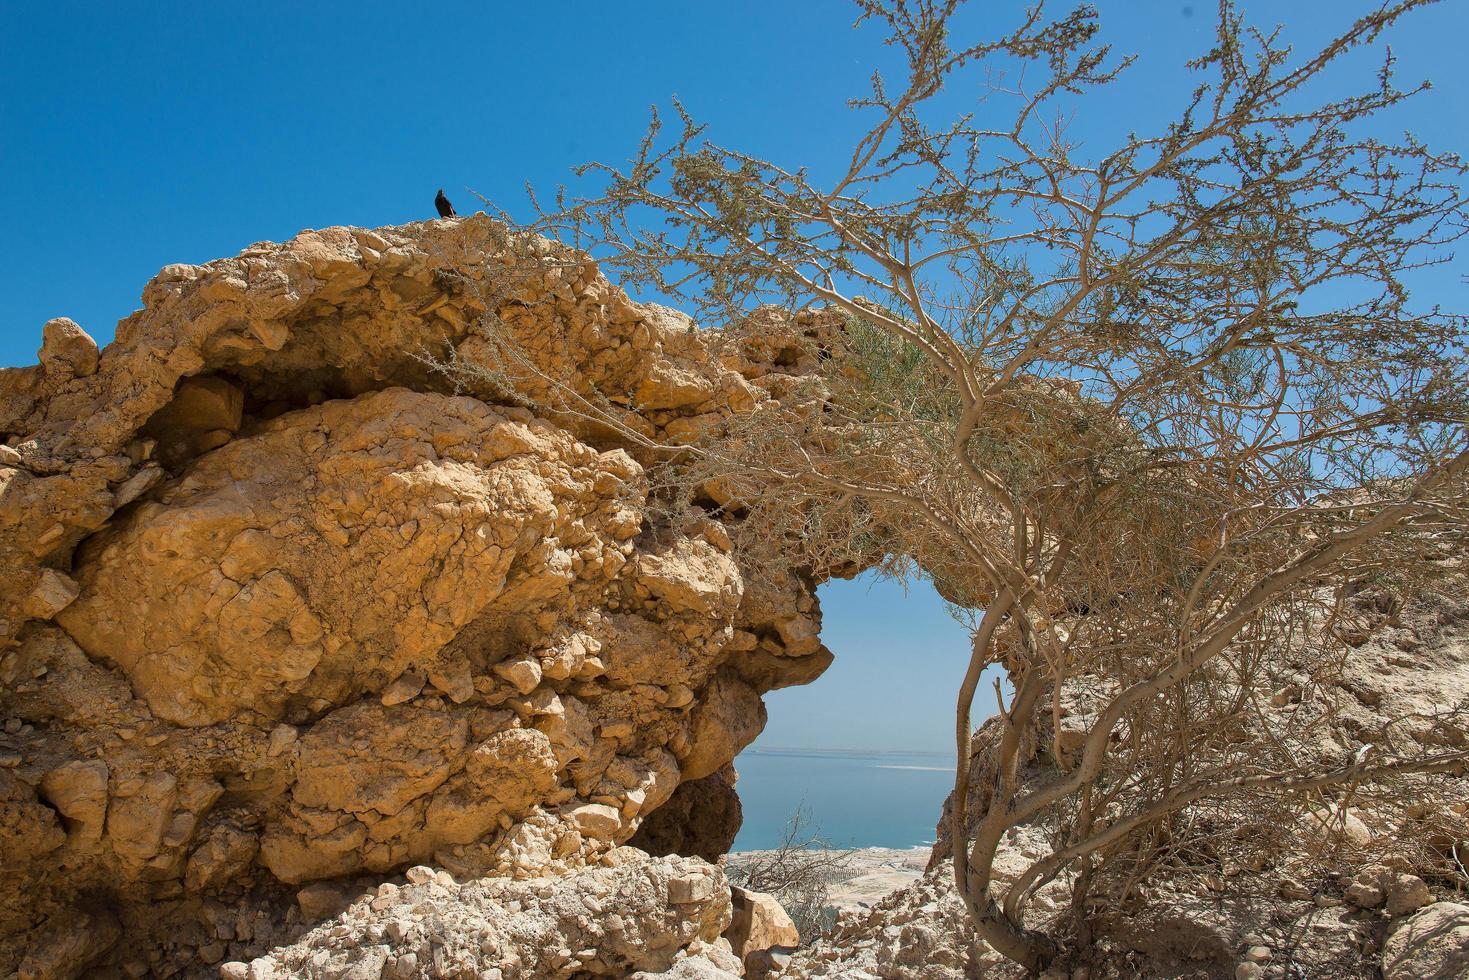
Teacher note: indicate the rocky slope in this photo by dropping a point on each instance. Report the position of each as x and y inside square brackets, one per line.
[282, 601]
[1375, 891]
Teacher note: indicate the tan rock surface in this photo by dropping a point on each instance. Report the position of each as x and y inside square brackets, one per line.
[597, 922]
[758, 926]
[700, 819]
[283, 600]
[1431, 945]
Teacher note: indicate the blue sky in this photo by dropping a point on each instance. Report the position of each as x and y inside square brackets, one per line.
[899, 660]
[139, 134]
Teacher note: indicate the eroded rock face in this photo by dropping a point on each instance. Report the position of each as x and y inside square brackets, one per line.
[701, 819]
[282, 601]
[439, 509]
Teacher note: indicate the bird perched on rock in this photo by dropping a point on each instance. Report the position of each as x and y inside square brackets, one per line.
[446, 210]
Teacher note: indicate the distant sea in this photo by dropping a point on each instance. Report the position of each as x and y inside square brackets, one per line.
[855, 798]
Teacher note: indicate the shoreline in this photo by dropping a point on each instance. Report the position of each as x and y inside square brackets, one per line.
[870, 874]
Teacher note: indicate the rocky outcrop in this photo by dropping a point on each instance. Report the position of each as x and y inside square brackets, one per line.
[640, 914]
[920, 932]
[298, 584]
[332, 643]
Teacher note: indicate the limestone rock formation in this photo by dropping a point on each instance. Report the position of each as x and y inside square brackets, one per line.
[333, 643]
[299, 585]
[641, 914]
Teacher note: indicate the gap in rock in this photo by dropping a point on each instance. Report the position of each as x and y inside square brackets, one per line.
[866, 752]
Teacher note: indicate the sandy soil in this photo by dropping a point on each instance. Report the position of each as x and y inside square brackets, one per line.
[868, 874]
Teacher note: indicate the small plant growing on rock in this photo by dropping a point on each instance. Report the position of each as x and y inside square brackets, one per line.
[798, 871]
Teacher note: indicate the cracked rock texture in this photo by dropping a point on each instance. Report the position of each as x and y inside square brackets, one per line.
[283, 603]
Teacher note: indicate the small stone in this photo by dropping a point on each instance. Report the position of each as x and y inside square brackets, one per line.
[234, 970]
[406, 687]
[419, 874]
[454, 680]
[78, 790]
[282, 737]
[1335, 825]
[53, 592]
[1292, 889]
[1248, 971]
[1407, 894]
[524, 673]
[689, 889]
[1257, 954]
[136, 485]
[767, 963]
[1365, 894]
[596, 820]
[51, 535]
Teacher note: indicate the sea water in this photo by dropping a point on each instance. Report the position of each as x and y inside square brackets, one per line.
[853, 799]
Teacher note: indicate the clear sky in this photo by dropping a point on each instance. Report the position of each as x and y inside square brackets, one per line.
[899, 660]
[137, 134]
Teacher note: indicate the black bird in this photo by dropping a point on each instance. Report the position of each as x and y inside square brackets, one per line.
[446, 210]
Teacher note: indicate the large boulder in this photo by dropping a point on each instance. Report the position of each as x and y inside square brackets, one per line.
[67, 351]
[1433, 944]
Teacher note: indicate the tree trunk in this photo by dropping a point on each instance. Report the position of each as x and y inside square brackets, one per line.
[1032, 950]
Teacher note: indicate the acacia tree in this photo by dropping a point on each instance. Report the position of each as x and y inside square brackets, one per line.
[1157, 410]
